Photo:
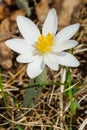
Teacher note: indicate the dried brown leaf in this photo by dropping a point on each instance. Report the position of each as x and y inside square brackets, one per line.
[5, 56]
[17, 12]
[9, 2]
[5, 26]
[42, 9]
[4, 12]
[69, 8]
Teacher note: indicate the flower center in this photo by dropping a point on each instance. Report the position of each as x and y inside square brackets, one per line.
[44, 44]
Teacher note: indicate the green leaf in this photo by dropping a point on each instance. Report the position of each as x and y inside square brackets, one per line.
[70, 128]
[32, 94]
[18, 127]
[68, 77]
[24, 5]
[75, 105]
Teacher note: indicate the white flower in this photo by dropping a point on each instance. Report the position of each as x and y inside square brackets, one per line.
[43, 49]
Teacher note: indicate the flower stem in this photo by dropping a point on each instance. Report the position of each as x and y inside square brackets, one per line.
[69, 82]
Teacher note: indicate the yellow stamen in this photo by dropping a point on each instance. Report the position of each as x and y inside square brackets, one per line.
[44, 44]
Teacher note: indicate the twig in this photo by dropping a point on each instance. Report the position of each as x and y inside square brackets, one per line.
[83, 125]
[16, 75]
[51, 94]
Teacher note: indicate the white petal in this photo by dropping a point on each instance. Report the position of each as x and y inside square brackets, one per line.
[50, 24]
[66, 33]
[65, 45]
[51, 61]
[67, 59]
[18, 45]
[28, 29]
[26, 58]
[35, 68]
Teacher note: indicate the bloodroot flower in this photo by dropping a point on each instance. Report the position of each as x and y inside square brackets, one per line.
[43, 49]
